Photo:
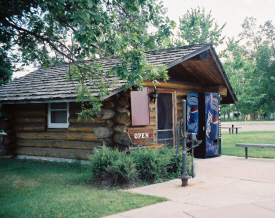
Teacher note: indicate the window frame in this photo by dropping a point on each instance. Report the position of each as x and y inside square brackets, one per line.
[57, 125]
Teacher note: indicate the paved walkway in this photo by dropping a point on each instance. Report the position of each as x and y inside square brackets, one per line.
[224, 187]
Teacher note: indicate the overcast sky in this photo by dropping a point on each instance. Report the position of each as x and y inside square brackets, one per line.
[231, 12]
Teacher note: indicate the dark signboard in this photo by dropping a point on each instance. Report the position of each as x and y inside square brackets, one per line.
[141, 136]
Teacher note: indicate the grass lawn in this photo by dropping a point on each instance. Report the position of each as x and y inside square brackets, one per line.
[39, 189]
[257, 137]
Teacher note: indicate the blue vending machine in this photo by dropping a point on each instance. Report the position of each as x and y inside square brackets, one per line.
[203, 119]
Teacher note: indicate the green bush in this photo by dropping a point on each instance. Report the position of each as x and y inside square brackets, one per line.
[157, 164]
[122, 171]
[112, 166]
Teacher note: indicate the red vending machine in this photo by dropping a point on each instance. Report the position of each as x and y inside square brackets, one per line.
[203, 119]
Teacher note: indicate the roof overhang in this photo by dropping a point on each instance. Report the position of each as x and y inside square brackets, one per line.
[203, 67]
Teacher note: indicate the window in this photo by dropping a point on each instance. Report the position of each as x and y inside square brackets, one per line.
[58, 114]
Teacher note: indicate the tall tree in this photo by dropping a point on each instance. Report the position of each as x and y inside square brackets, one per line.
[250, 65]
[198, 27]
[73, 31]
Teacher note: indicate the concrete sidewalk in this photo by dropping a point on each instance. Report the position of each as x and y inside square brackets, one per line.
[224, 187]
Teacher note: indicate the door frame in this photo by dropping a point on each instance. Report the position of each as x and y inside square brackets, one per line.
[174, 113]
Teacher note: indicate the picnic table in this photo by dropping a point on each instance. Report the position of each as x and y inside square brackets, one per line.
[231, 129]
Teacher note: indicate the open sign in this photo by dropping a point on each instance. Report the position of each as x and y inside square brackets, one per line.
[141, 136]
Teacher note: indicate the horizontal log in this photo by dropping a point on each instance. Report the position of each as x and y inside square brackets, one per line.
[30, 118]
[74, 110]
[120, 128]
[121, 147]
[103, 132]
[184, 93]
[30, 127]
[10, 146]
[8, 139]
[71, 136]
[57, 144]
[32, 106]
[179, 100]
[126, 93]
[5, 124]
[105, 114]
[41, 135]
[123, 110]
[75, 136]
[84, 127]
[10, 131]
[179, 106]
[179, 113]
[122, 138]
[152, 105]
[54, 152]
[153, 114]
[107, 141]
[124, 101]
[153, 121]
[109, 123]
[109, 104]
[173, 85]
[122, 118]
[221, 89]
[29, 112]
[8, 114]
[74, 119]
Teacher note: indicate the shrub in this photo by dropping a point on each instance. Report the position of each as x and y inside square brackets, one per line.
[157, 164]
[122, 171]
[112, 166]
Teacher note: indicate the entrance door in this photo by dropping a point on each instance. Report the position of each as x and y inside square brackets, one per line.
[165, 119]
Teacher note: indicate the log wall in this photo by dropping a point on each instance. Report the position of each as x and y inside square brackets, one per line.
[28, 133]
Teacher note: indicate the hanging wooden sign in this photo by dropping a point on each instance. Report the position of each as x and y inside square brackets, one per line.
[141, 136]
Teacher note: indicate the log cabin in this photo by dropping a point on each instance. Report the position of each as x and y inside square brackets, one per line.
[40, 109]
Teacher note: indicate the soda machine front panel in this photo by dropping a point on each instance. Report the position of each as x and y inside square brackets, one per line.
[193, 113]
[212, 124]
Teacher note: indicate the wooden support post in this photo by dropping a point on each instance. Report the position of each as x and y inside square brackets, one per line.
[229, 130]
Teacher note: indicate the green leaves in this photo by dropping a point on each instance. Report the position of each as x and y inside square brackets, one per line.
[251, 67]
[198, 27]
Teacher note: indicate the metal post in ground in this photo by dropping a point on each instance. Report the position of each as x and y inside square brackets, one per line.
[184, 177]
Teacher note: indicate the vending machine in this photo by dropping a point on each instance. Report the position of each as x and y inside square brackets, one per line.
[203, 119]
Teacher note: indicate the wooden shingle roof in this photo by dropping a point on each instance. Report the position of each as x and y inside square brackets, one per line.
[52, 85]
